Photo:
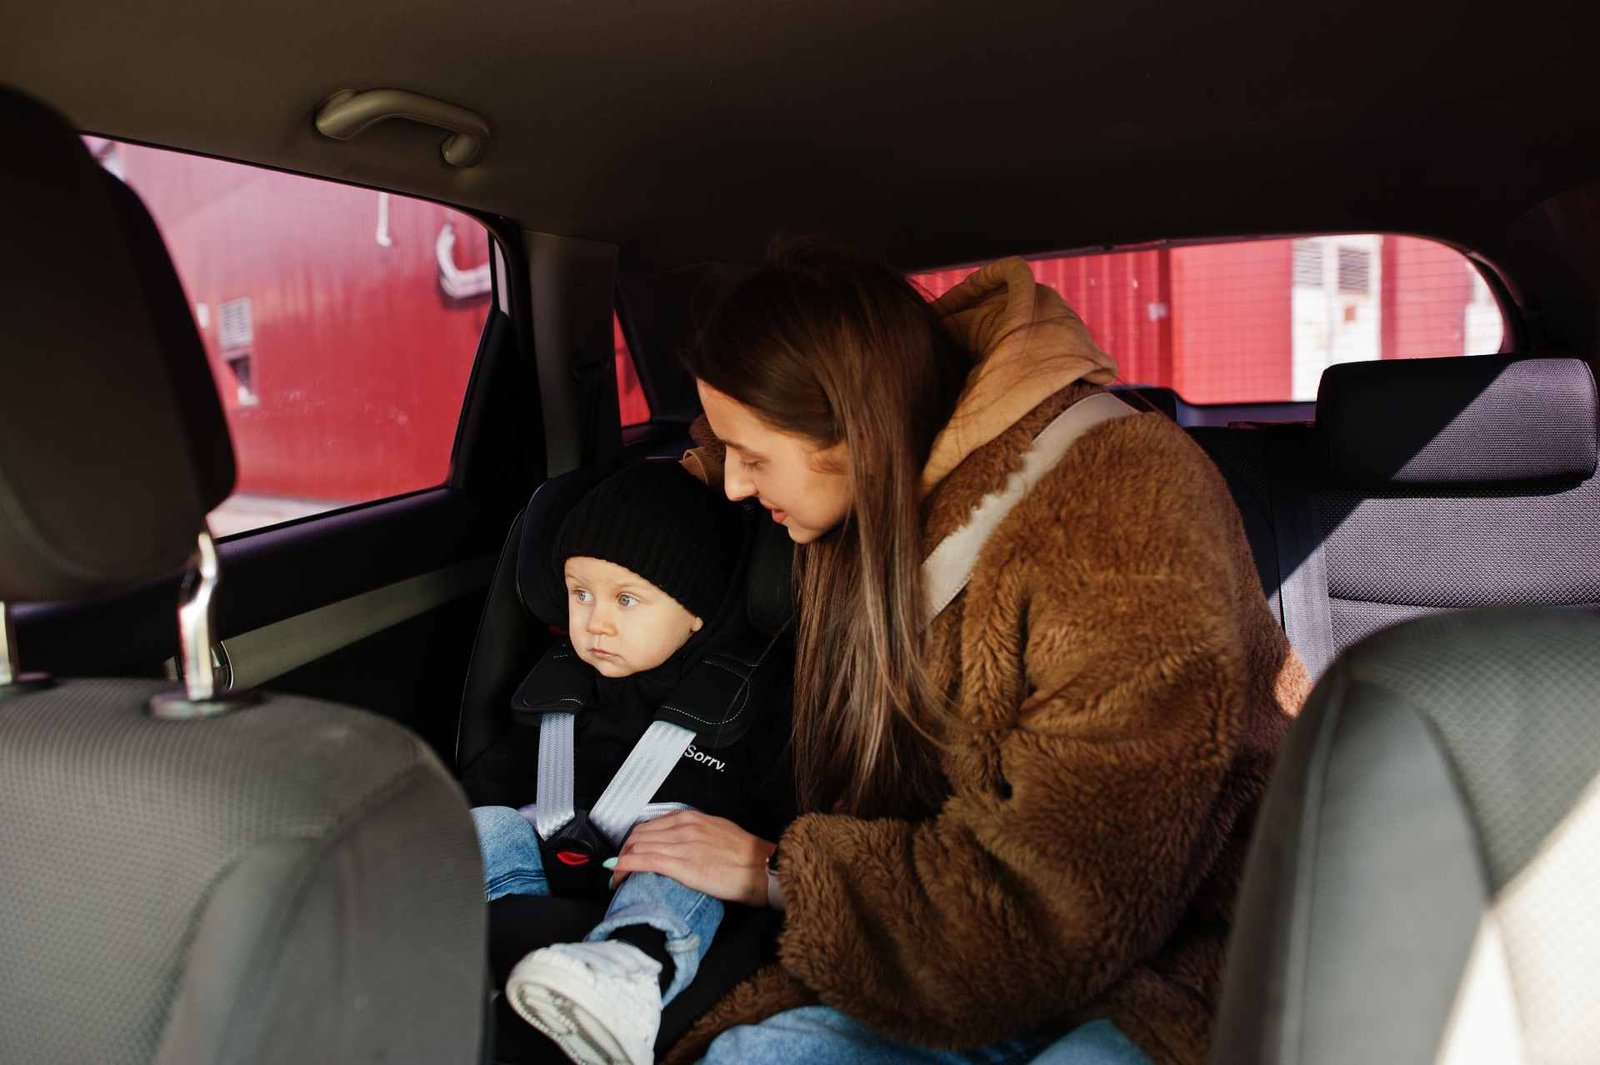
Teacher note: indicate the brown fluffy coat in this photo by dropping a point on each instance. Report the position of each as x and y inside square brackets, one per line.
[1121, 689]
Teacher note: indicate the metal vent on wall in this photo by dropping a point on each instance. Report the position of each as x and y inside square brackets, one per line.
[1308, 263]
[235, 325]
[1355, 271]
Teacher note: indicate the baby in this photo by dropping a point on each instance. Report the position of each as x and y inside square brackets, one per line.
[648, 559]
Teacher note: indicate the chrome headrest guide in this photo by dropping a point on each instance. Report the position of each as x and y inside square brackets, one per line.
[205, 677]
[12, 680]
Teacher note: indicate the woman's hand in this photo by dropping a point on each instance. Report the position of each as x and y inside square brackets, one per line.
[708, 854]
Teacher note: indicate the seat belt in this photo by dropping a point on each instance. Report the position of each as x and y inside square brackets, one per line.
[1302, 564]
[1303, 571]
[948, 567]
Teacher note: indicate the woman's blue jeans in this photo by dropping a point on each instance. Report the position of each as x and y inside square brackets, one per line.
[818, 1035]
[512, 865]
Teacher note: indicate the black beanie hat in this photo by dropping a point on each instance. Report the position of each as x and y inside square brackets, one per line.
[659, 521]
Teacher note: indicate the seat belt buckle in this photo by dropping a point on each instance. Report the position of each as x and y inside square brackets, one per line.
[572, 859]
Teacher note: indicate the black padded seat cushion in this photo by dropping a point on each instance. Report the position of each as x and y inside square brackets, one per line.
[538, 585]
[1480, 419]
[770, 595]
[85, 274]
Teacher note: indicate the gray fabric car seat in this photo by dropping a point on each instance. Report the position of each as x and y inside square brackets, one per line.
[1420, 887]
[1424, 485]
[270, 880]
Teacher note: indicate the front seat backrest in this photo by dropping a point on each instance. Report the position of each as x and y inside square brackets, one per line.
[1420, 888]
[290, 881]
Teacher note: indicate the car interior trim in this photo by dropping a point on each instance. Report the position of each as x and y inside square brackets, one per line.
[573, 283]
[262, 654]
[347, 113]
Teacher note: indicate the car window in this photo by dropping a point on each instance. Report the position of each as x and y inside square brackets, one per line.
[341, 325]
[632, 403]
[1257, 321]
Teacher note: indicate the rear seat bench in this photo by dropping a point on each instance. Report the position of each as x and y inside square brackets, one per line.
[1424, 485]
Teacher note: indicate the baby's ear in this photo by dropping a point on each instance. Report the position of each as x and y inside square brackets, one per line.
[696, 624]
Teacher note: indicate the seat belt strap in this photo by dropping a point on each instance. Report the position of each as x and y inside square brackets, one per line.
[557, 768]
[1302, 576]
[948, 568]
[647, 767]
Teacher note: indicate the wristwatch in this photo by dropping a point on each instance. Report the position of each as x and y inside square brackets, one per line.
[774, 888]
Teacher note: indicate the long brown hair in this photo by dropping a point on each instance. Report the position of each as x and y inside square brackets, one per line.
[830, 346]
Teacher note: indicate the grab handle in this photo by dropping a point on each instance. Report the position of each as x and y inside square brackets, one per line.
[347, 113]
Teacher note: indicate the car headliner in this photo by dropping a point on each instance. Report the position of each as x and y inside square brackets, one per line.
[933, 132]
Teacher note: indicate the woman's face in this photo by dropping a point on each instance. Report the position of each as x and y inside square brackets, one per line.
[806, 490]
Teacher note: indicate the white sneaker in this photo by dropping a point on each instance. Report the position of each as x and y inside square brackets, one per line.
[599, 1002]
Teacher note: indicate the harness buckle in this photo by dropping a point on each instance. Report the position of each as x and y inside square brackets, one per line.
[572, 857]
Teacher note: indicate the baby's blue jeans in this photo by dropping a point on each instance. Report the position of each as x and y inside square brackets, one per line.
[512, 866]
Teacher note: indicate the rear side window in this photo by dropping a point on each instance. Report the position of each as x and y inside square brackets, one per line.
[341, 326]
[632, 404]
[1258, 321]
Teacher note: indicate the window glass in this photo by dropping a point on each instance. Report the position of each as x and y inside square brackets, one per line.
[631, 401]
[1258, 321]
[341, 325]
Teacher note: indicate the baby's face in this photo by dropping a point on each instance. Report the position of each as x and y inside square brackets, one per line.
[619, 622]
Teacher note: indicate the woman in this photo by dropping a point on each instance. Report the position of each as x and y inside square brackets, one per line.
[1031, 815]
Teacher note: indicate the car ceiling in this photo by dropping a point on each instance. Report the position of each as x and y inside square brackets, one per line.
[932, 132]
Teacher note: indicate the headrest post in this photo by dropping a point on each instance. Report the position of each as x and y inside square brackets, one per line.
[206, 680]
[12, 680]
[10, 668]
[195, 625]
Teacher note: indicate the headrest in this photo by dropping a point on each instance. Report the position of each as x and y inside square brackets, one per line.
[545, 596]
[1482, 419]
[113, 446]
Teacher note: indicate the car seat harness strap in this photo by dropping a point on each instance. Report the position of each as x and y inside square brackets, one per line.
[553, 801]
[574, 842]
[710, 707]
[658, 752]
